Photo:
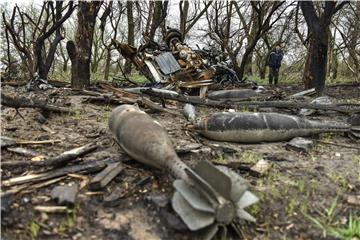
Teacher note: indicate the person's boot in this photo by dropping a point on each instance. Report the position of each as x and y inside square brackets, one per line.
[275, 81]
[270, 80]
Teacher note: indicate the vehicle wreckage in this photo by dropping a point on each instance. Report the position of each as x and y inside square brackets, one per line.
[177, 66]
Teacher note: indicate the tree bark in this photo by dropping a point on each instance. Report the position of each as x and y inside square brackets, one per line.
[80, 51]
[107, 63]
[317, 53]
[184, 9]
[131, 33]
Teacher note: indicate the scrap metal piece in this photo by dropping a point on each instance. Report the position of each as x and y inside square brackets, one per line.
[167, 63]
[157, 77]
[248, 127]
[206, 196]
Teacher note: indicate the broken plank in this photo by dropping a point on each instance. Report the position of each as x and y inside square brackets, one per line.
[88, 167]
[26, 188]
[25, 142]
[61, 159]
[104, 177]
[51, 209]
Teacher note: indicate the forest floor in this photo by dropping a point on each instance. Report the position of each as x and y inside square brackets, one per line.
[304, 195]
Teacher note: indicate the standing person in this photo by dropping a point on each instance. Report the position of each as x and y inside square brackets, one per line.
[274, 63]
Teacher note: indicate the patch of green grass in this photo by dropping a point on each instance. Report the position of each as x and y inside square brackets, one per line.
[69, 222]
[326, 221]
[78, 114]
[291, 206]
[338, 179]
[356, 160]
[33, 228]
[220, 159]
[349, 231]
[301, 186]
[254, 209]
[250, 157]
[138, 78]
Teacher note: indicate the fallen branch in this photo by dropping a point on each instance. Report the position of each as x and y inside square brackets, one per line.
[150, 104]
[51, 209]
[27, 189]
[338, 144]
[61, 159]
[25, 142]
[23, 102]
[88, 167]
[258, 104]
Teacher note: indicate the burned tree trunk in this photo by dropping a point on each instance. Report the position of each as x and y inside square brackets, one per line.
[131, 32]
[318, 32]
[159, 14]
[316, 60]
[80, 51]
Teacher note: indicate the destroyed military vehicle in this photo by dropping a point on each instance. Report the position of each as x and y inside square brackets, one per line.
[176, 66]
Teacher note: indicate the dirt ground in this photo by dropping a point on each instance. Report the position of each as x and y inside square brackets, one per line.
[304, 195]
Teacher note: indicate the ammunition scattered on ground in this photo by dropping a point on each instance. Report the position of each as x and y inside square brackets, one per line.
[248, 127]
[206, 197]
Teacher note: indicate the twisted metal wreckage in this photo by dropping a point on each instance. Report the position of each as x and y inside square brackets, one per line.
[208, 198]
[177, 66]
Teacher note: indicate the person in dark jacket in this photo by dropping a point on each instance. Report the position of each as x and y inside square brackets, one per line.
[274, 63]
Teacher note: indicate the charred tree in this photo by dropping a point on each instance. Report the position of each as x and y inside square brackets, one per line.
[158, 16]
[186, 21]
[38, 56]
[80, 50]
[318, 38]
[131, 32]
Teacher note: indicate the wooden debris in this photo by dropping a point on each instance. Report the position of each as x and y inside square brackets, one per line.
[88, 167]
[67, 156]
[113, 199]
[258, 104]
[150, 104]
[23, 151]
[51, 209]
[307, 92]
[25, 188]
[104, 99]
[65, 195]
[104, 177]
[23, 102]
[338, 144]
[25, 142]
[61, 159]
[188, 148]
